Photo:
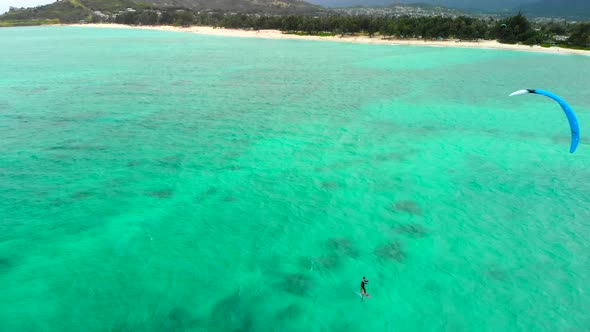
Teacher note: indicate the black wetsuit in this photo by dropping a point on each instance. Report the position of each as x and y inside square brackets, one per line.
[363, 283]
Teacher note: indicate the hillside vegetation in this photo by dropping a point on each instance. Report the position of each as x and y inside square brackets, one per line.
[515, 29]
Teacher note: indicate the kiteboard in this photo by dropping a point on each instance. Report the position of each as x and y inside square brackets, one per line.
[367, 295]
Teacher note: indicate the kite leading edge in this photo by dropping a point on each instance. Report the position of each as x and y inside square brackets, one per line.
[569, 113]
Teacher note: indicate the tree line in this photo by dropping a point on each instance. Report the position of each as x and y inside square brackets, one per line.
[515, 29]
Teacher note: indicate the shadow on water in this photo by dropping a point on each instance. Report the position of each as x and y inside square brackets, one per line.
[182, 82]
[290, 312]
[330, 185]
[73, 147]
[342, 247]
[133, 163]
[231, 314]
[413, 230]
[380, 157]
[30, 90]
[407, 206]
[497, 273]
[392, 251]
[230, 198]
[297, 284]
[6, 264]
[329, 262]
[74, 225]
[177, 319]
[211, 191]
[80, 195]
[432, 287]
[393, 156]
[174, 161]
[164, 193]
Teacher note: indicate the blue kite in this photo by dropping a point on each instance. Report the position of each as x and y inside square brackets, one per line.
[571, 116]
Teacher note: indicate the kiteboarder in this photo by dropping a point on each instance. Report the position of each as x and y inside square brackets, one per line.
[363, 290]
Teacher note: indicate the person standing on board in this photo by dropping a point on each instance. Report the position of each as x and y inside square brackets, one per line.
[363, 290]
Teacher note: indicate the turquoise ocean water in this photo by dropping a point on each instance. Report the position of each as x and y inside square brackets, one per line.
[158, 181]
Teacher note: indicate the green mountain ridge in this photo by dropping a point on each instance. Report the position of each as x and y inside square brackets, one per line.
[69, 11]
[244, 6]
[63, 11]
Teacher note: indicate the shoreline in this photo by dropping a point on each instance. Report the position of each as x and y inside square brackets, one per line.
[277, 34]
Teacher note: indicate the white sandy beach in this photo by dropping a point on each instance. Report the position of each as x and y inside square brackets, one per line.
[276, 34]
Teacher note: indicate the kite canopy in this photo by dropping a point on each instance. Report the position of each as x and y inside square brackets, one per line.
[569, 113]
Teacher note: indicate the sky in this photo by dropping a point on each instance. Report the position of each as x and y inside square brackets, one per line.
[5, 4]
